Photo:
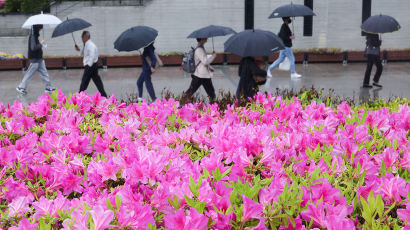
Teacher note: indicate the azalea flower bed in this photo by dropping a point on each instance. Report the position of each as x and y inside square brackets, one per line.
[86, 162]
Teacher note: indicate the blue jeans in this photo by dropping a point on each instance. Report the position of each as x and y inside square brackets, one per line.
[287, 52]
[146, 77]
[36, 65]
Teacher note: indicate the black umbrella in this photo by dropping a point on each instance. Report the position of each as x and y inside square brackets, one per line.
[135, 38]
[292, 10]
[380, 24]
[253, 43]
[211, 31]
[70, 26]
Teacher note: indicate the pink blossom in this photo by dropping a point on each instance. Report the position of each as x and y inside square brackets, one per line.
[102, 218]
[251, 209]
[19, 206]
[404, 214]
[315, 213]
[24, 224]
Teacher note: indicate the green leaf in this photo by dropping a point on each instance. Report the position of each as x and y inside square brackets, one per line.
[198, 205]
[379, 206]
[176, 203]
[118, 201]
[152, 226]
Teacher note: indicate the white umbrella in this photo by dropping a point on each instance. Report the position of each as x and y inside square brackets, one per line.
[47, 20]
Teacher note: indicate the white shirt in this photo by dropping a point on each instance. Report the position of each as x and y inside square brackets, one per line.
[90, 53]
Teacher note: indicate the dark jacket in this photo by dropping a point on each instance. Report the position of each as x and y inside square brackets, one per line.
[247, 69]
[373, 40]
[285, 34]
[35, 49]
[148, 55]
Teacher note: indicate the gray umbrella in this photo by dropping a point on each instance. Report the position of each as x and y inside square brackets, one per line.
[253, 43]
[380, 24]
[211, 32]
[292, 10]
[135, 38]
[70, 26]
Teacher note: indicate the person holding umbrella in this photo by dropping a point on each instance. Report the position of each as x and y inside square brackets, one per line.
[248, 44]
[149, 61]
[372, 53]
[373, 26]
[203, 72]
[248, 70]
[37, 63]
[135, 38]
[286, 35]
[90, 53]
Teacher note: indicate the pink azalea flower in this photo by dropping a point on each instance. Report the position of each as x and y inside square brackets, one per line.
[175, 221]
[80, 221]
[389, 157]
[404, 214]
[393, 188]
[251, 209]
[325, 191]
[298, 226]
[19, 206]
[315, 213]
[196, 220]
[334, 222]
[24, 224]
[138, 218]
[272, 193]
[72, 183]
[102, 218]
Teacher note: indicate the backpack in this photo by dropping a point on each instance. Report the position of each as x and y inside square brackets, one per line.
[188, 61]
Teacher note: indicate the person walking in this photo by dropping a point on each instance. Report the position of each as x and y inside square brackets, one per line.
[286, 35]
[372, 53]
[90, 62]
[37, 63]
[247, 71]
[149, 62]
[203, 72]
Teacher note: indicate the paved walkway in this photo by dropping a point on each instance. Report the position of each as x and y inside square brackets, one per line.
[345, 80]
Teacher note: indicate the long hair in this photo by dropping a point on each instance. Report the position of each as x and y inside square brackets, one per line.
[36, 29]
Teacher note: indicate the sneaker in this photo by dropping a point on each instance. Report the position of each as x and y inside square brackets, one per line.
[377, 84]
[140, 99]
[21, 90]
[269, 74]
[295, 75]
[49, 90]
[367, 86]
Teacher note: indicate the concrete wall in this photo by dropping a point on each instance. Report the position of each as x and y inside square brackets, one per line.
[337, 24]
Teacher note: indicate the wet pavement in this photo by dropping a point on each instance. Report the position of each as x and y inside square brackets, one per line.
[344, 80]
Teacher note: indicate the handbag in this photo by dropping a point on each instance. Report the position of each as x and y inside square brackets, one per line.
[285, 65]
[372, 50]
[260, 80]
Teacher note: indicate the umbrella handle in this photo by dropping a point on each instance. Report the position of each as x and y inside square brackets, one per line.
[72, 34]
[213, 46]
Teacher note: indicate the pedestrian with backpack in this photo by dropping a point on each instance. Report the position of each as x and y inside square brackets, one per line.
[202, 72]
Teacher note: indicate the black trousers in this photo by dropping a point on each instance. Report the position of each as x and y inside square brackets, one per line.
[197, 82]
[373, 60]
[92, 73]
